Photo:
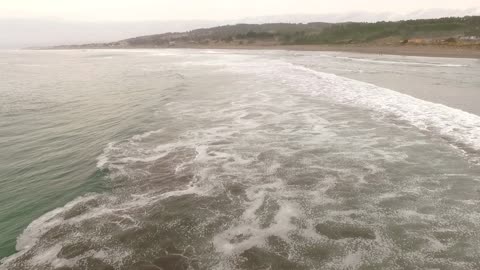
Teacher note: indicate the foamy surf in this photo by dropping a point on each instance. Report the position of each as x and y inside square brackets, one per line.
[405, 63]
[459, 127]
[261, 163]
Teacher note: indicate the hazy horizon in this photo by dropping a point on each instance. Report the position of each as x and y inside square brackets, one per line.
[33, 31]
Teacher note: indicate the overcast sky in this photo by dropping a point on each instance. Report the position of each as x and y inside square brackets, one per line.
[137, 10]
[26, 23]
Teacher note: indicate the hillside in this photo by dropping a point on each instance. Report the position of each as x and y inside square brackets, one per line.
[458, 31]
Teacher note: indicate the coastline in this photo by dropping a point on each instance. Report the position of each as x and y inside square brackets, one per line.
[419, 50]
[472, 52]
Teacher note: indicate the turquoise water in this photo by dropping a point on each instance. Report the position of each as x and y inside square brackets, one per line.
[57, 113]
[198, 159]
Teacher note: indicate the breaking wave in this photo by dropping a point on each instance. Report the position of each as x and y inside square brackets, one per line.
[292, 168]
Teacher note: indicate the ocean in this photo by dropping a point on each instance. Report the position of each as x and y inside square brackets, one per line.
[231, 159]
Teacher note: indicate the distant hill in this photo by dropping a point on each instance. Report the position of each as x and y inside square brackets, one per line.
[452, 30]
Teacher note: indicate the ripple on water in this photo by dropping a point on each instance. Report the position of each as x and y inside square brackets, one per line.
[272, 183]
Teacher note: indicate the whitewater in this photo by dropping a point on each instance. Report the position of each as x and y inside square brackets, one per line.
[194, 159]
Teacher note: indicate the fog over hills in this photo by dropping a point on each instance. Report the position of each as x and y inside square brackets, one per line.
[20, 33]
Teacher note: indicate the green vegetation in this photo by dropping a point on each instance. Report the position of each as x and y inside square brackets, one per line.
[431, 31]
[367, 32]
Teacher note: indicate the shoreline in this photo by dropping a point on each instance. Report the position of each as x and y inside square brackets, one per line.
[402, 50]
[420, 50]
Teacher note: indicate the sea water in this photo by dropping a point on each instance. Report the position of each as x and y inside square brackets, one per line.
[194, 159]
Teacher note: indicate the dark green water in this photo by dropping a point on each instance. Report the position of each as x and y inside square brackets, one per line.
[57, 112]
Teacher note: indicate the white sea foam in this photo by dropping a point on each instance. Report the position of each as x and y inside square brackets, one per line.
[39, 227]
[147, 134]
[352, 260]
[248, 225]
[461, 127]
[260, 142]
[164, 53]
[406, 63]
[32, 65]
